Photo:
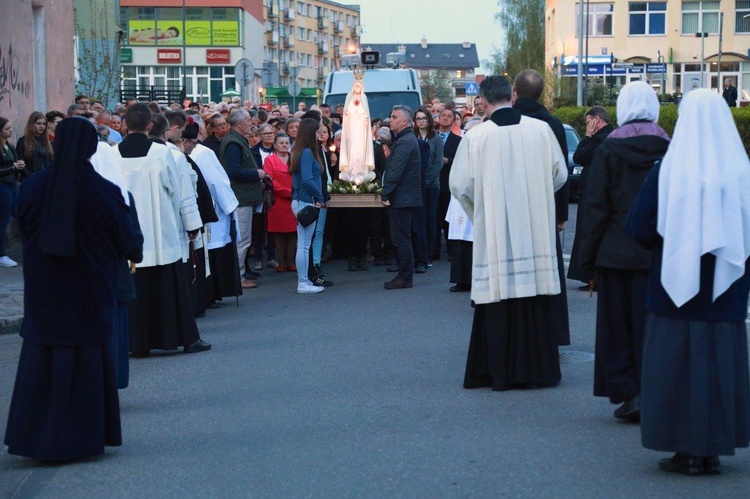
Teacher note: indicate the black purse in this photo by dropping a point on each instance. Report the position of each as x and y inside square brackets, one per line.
[307, 215]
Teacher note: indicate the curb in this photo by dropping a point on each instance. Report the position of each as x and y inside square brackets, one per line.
[11, 324]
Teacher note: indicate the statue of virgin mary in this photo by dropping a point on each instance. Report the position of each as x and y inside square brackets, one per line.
[356, 160]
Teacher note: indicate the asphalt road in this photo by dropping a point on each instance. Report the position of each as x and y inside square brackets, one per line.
[356, 392]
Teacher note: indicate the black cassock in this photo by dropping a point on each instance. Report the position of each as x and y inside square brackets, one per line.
[65, 403]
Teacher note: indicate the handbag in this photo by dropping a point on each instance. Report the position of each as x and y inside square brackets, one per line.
[269, 198]
[307, 215]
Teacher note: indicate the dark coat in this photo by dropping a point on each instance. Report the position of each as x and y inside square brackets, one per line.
[620, 166]
[449, 151]
[402, 183]
[37, 161]
[533, 109]
[584, 154]
[214, 143]
[730, 95]
[731, 306]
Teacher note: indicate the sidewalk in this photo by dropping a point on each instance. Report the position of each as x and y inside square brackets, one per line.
[11, 291]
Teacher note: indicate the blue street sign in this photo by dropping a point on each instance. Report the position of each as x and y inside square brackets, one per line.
[656, 68]
[472, 89]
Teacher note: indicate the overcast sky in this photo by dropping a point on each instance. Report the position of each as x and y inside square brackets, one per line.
[441, 21]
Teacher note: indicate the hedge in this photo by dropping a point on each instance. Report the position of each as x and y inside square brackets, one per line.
[574, 116]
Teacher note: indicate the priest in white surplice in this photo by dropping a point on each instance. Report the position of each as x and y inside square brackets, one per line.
[505, 174]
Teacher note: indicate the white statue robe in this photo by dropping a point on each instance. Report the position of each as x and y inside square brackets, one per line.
[505, 178]
[357, 156]
[225, 202]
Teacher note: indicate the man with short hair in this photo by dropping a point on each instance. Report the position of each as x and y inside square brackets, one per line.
[218, 129]
[504, 175]
[527, 89]
[402, 192]
[97, 107]
[161, 316]
[237, 159]
[446, 118]
[130, 102]
[729, 93]
[478, 106]
[74, 110]
[325, 110]
[284, 110]
[82, 101]
[104, 118]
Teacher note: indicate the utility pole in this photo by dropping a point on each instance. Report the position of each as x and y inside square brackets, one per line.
[579, 92]
[721, 39]
[702, 35]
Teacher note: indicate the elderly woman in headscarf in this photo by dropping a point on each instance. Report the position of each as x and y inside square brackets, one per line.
[694, 213]
[76, 232]
[611, 260]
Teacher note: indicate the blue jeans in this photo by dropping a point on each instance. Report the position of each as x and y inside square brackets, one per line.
[8, 195]
[318, 241]
[401, 220]
[304, 240]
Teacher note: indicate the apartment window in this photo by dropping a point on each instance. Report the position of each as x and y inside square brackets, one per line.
[700, 17]
[648, 18]
[459, 73]
[309, 35]
[309, 10]
[599, 19]
[742, 17]
[300, 8]
[300, 33]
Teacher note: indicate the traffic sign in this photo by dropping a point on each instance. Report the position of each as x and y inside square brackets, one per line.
[243, 72]
[472, 89]
[294, 89]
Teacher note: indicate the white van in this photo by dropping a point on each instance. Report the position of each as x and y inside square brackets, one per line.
[384, 87]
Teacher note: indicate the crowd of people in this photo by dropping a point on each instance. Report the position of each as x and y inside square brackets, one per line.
[194, 201]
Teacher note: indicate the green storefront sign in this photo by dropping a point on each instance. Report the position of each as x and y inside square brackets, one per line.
[126, 56]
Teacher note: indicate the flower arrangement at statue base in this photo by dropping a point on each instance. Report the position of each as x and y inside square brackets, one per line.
[348, 195]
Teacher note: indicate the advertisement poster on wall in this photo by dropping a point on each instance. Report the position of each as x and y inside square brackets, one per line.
[195, 33]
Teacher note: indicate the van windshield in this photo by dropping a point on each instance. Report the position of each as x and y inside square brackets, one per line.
[381, 103]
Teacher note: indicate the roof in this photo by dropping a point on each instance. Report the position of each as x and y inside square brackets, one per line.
[436, 55]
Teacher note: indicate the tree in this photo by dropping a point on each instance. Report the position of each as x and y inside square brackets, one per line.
[98, 63]
[523, 24]
[437, 84]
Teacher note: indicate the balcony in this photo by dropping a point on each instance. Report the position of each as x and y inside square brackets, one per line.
[273, 38]
[322, 23]
[322, 47]
[289, 41]
[338, 27]
[322, 74]
[288, 15]
[284, 68]
[356, 31]
[273, 11]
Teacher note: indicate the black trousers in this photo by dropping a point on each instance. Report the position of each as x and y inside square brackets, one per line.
[442, 226]
[620, 322]
[401, 223]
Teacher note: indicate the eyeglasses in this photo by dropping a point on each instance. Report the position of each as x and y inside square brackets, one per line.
[267, 133]
[422, 118]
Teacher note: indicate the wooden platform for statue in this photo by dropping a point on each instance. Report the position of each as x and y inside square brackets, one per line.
[355, 201]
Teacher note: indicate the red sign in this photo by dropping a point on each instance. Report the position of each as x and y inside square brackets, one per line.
[217, 56]
[168, 56]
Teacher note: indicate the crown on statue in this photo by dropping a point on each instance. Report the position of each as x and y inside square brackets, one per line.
[358, 73]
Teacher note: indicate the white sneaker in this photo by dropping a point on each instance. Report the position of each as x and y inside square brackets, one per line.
[7, 262]
[308, 287]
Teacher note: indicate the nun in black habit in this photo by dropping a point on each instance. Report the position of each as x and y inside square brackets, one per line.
[76, 232]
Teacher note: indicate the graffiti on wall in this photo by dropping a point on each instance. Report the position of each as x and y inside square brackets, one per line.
[10, 80]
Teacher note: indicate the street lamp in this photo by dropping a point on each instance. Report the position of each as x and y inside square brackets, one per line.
[702, 35]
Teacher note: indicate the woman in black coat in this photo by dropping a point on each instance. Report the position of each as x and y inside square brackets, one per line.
[35, 147]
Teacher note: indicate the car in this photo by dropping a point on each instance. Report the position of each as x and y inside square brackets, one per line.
[574, 169]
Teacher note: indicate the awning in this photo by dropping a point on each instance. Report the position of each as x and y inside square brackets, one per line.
[283, 93]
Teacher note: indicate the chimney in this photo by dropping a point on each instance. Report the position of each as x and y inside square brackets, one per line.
[467, 45]
[424, 42]
[402, 49]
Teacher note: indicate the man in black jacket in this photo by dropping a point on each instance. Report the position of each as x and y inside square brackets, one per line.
[446, 118]
[730, 93]
[402, 192]
[527, 88]
[597, 129]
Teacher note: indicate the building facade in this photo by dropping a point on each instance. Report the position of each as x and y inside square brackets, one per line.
[36, 59]
[166, 48]
[459, 60]
[303, 41]
[655, 42]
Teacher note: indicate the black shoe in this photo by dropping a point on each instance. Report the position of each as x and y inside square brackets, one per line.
[198, 346]
[585, 287]
[318, 271]
[320, 280]
[397, 283]
[362, 263]
[630, 410]
[251, 275]
[393, 268]
[213, 305]
[711, 465]
[683, 463]
[460, 288]
[420, 269]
